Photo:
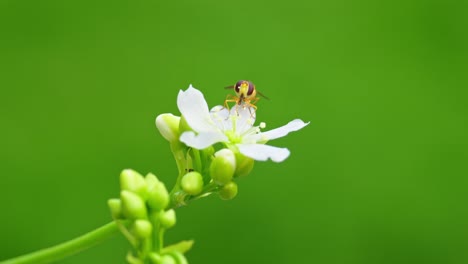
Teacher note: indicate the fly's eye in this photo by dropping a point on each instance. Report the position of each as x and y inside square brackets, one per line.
[251, 88]
[238, 85]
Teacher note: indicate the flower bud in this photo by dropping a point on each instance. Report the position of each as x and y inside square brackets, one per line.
[132, 181]
[133, 207]
[184, 126]
[228, 191]
[115, 206]
[142, 228]
[223, 166]
[155, 258]
[168, 259]
[179, 257]
[167, 218]
[244, 165]
[151, 179]
[192, 183]
[168, 126]
[158, 197]
[208, 152]
[132, 259]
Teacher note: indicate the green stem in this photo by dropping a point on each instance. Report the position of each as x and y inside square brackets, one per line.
[68, 248]
[123, 229]
[178, 150]
[156, 226]
[161, 239]
[197, 160]
[209, 188]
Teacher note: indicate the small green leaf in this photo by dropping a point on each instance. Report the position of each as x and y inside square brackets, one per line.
[182, 246]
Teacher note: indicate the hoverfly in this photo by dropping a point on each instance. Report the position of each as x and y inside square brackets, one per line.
[246, 94]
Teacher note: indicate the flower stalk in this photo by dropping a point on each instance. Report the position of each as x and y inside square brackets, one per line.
[70, 247]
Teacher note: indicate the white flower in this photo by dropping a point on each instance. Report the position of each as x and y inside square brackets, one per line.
[232, 128]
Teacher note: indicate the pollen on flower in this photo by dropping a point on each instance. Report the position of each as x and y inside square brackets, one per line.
[262, 125]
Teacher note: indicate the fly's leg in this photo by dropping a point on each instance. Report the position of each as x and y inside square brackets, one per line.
[250, 105]
[230, 99]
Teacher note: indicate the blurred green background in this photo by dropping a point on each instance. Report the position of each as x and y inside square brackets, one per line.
[379, 176]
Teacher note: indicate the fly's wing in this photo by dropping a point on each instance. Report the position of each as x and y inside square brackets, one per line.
[262, 95]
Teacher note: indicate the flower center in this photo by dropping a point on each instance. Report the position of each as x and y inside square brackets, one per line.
[233, 136]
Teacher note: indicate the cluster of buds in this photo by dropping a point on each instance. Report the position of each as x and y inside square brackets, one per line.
[143, 215]
[202, 171]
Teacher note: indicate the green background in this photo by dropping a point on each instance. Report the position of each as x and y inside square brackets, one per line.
[379, 175]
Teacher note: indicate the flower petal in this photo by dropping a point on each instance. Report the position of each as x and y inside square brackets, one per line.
[194, 109]
[244, 116]
[263, 152]
[202, 140]
[294, 125]
[220, 115]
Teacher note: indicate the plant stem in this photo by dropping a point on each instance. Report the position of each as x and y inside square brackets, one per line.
[68, 248]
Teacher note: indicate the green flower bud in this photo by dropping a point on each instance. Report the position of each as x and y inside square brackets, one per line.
[132, 259]
[155, 258]
[244, 165]
[164, 259]
[168, 126]
[115, 206]
[158, 197]
[223, 166]
[133, 207]
[151, 179]
[192, 183]
[228, 191]
[184, 126]
[167, 218]
[208, 152]
[179, 257]
[168, 259]
[131, 180]
[142, 228]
